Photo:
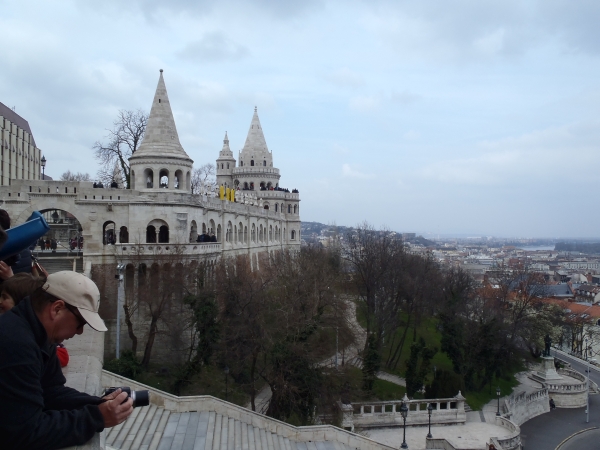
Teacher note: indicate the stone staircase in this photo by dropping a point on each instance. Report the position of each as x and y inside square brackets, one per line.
[154, 428]
[58, 263]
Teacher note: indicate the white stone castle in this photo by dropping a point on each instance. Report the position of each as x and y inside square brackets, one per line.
[247, 213]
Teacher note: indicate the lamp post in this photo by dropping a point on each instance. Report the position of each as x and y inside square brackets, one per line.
[498, 395]
[120, 295]
[43, 167]
[429, 409]
[226, 371]
[404, 412]
[589, 360]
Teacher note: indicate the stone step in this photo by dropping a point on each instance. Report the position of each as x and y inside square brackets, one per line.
[154, 428]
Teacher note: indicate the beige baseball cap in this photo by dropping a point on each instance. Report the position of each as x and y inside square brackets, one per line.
[79, 291]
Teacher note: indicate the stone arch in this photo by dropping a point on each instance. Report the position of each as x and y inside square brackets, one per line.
[282, 208]
[149, 178]
[229, 232]
[188, 181]
[240, 228]
[276, 204]
[253, 233]
[109, 236]
[293, 235]
[163, 234]
[295, 209]
[245, 235]
[163, 179]
[266, 205]
[178, 180]
[150, 234]
[123, 235]
[193, 231]
[219, 233]
[203, 228]
[211, 227]
[289, 209]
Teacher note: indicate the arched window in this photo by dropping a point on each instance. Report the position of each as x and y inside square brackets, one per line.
[163, 178]
[295, 208]
[163, 234]
[108, 233]
[228, 232]
[251, 162]
[228, 165]
[264, 163]
[123, 235]
[235, 234]
[252, 185]
[203, 228]
[245, 235]
[150, 234]
[246, 187]
[289, 209]
[149, 178]
[241, 163]
[188, 181]
[222, 165]
[293, 234]
[276, 204]
[219, 233]
[266, 206]
[178, 183]
[193, 231]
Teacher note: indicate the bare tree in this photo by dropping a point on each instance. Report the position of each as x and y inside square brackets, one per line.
[203, 178]
[73, 176]
[122, 141]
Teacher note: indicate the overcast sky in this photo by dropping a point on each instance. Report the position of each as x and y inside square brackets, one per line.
[472, 117]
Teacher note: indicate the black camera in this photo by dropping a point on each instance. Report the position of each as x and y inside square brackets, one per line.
[140, 398]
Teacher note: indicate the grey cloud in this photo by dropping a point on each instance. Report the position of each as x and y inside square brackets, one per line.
[213, 47]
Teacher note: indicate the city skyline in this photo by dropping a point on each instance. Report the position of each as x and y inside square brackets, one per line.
[454, 118]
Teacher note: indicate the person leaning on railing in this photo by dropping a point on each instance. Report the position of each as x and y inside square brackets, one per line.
[37, 410]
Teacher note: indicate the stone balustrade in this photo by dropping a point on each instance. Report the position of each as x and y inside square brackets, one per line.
[155, 249]
[522, 406]
[513, 441]
[387, 414]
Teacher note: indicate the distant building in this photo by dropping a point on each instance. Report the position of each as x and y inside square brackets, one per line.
[20, 159]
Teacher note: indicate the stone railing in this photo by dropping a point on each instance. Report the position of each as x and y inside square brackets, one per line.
[387, 414]
[523, 406]
[167, 249]
[513, 441]
[199, 403]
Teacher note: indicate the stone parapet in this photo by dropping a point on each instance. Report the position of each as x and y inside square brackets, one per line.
[522, 406]
[513, 441]
[84, 372]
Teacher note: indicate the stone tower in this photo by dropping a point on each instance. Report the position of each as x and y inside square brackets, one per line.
[160, 162]
[225, 165]
[255, 170]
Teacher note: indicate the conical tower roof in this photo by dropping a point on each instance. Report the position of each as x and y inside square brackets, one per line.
[255, 141]
[161, 139]
[226, 152]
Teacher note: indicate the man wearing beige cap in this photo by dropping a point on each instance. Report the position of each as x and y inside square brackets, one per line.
[37, 410]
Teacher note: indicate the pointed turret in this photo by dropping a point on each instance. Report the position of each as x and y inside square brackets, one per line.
[160, 162]
[161, 138]
[255, 151]
[225, 164]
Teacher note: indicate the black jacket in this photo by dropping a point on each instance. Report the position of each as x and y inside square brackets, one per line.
[37, 410]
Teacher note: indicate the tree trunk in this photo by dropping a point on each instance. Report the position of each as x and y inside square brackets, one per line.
[252, 385]
[398, 352]
[132, 336]
[150, 342]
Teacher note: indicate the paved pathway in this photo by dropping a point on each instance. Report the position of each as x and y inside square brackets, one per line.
[547, 431]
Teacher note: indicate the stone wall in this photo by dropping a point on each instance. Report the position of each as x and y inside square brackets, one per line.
[522, 407]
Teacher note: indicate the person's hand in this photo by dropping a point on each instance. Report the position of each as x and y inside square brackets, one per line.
[5, 271]
[113, 410]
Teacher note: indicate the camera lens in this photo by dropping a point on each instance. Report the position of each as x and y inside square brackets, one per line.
[140, 398]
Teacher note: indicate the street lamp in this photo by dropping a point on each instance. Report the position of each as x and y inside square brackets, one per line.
[498, 395]
[43, 167]
[404, 412]
[429, 409]
[226, 371]
[120, 295]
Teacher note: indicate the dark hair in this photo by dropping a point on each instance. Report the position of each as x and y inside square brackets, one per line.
[4, 219]
[22, 285]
